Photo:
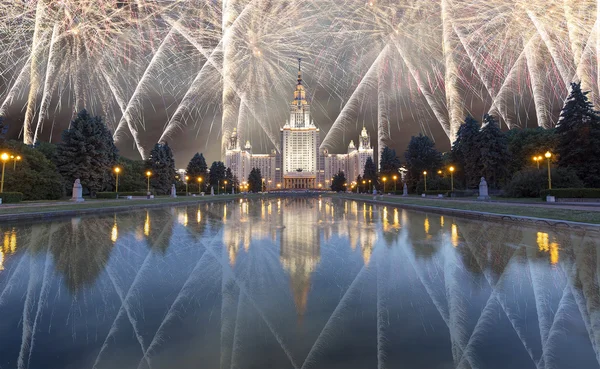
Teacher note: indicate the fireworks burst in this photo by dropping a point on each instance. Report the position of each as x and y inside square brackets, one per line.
[428, 61]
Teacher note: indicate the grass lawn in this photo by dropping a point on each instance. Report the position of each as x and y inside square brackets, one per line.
[497, 208]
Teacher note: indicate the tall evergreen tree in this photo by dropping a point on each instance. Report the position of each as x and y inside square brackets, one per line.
[87, 152]
[217, 174]
[232, 180]
[493, 152]
[255, 180]
[421, 155]
[465, 153]
[3, 129]
[578, 133]
[389, 163]
[162, 165]
[197, 168]
[370, 173]
[338, 182]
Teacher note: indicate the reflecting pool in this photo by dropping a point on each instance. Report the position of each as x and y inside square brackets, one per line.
[296, 283]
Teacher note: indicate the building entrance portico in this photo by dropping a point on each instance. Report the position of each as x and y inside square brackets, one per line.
[304, 183]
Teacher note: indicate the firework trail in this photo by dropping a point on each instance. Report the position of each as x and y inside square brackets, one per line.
[112, 56]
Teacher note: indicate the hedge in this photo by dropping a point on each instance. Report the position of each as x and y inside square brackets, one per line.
[464, 193]
[436, 192]
[113, 195]
[573, 193]
[11, 197]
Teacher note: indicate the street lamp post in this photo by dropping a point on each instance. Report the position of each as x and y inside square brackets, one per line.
[269, 186]
[148, 174]
[4, 158]
[364, 184]
[225, 187]
[357, 186]
[262, 185]
[452, 178]
[548, 155]
[187, 178]
[384, 179]
[199, 185]
[371, 188]
[117, 171]
[425, 176]
[537, 160]
[15, 159]
[395, 181]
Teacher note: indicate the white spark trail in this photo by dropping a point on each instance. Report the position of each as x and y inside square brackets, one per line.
[351, 107]
[48, 83]
[128, 117]
[36, 55]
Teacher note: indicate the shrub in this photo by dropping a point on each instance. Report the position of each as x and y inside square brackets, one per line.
[11, 197]
[436, 183]
[531, 182]
[437, 192]
[573, 193]
[464, 193]
[35, 176]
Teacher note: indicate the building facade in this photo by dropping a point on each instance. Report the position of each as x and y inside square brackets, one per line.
[300, 165]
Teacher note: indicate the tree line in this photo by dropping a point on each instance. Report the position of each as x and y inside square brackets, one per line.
[504, 159]
[87, 152]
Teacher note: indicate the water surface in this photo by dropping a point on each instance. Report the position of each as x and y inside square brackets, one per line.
[296, 283]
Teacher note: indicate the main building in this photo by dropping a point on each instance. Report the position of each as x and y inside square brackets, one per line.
[300, 164]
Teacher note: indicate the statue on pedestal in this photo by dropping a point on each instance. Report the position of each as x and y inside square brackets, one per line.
[77, 191]
[173, 191]
[483, 190]
[212, 191]
[405, 190]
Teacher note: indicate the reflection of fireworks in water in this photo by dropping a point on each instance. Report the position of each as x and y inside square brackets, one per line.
[427, 60]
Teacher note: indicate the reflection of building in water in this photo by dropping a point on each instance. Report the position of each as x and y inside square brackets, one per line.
[300, 248]
[240, 230]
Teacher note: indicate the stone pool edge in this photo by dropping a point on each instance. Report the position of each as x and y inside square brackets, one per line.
[43, 215]
[485, 216]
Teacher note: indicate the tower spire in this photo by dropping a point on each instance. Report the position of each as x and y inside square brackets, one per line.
[299, 71]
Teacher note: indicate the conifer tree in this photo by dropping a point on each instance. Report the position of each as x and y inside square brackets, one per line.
[255, 180]
[197, 168]
[389, 163]
[370, 172]
[162, 165]
[579, 137]
[338, 182]
[87, 152]
[217, 174]
[421, 155]
[465, 154]
[492, 147]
